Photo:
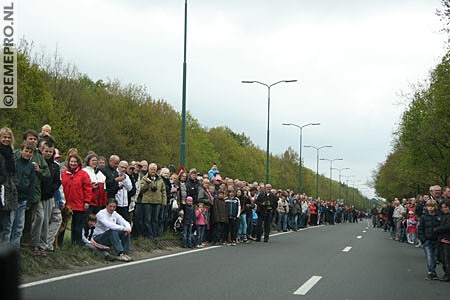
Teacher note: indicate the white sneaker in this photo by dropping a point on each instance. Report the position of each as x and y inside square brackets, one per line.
[123, 257]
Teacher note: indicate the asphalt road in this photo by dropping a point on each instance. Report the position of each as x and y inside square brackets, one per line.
[375, 267]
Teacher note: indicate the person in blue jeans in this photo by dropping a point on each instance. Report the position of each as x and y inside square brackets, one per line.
[113, 230]
[283, 211]
[26, 178]
[189, 221]
[429, 221]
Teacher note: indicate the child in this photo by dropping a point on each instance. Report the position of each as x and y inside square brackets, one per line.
[428, 237]
[46, 134]
[178, 225]
[189, 221]
[87, 233]
[411, 231]
[201, 224]
[233, 209]
[254, 221]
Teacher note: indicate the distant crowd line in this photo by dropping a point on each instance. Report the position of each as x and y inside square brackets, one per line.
[423, 221]
[108, 201]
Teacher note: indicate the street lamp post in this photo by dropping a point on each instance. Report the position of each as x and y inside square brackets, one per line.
[340, 170]
[354, 187]
[268, 117]
[300, 152]
[317, 168]
[347, 177]
[331, 175]
[183, 103]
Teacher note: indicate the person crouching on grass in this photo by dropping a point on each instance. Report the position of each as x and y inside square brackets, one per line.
[113, 230]
[87, 235]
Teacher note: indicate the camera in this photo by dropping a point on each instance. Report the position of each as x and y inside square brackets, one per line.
[153, 188]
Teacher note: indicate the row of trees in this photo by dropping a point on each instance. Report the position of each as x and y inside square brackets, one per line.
[421, 152]
[111, 118]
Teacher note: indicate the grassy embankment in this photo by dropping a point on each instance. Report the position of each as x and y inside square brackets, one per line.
[70, 257]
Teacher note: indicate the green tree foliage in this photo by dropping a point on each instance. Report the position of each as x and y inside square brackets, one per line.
[421, 156]
[110, 118]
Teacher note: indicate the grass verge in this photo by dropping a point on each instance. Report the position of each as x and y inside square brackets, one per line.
[71, 257]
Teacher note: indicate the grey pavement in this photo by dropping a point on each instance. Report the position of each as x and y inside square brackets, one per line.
[375, 267]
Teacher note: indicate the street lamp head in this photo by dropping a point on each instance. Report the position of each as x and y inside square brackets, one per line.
[293, 80]
[247, 81]
[315, 124]
[286, 124]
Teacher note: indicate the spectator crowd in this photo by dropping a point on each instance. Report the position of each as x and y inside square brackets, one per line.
[423, 222]
[107, 202]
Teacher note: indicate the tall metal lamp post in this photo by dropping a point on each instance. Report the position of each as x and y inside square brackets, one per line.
[340, 170]
[300, 151]
[183, 103]
[268, 118]
[331, 174]
[317, 168]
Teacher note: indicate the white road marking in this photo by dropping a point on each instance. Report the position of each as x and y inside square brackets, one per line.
[304, 289]
[364, 231]
[49, 280]
[359, 236]
[347, 249]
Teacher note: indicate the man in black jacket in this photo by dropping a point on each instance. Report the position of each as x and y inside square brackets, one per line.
[112, 176]
[266, 203]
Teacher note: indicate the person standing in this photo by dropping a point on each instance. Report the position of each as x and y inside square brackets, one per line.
[283, 211]
[34, 214]
[154, 197]
[78, 192]
[8, 183]
[26, 178]
[429, 221]
[266, 203]
[443, 231]
[49, 187]
[98, 186]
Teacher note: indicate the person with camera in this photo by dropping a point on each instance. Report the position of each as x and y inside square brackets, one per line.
[154, 198]
[266, 204]
[283, 211]
[99, 196]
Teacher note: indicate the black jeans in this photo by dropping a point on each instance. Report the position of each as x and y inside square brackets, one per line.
[78, 221]
[267, 220]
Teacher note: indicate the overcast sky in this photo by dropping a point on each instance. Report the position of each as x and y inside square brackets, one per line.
[352, 60]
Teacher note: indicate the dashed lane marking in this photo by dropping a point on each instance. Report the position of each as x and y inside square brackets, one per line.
[49, 280]
[309, 284]
[347, 249]
[359, 237]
